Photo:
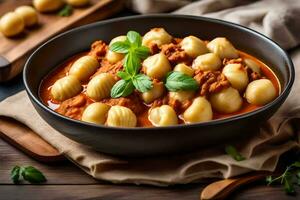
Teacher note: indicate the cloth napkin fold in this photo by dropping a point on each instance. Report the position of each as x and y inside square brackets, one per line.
[277, 19]
[262, 149]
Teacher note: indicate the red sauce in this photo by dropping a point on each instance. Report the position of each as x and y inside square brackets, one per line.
[142, 117]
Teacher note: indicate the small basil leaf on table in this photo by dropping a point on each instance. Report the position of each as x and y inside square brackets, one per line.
[142, 82]
[134, 38]
[231, 150]
[122, 88]
[15, 174]
[33, 175]
[120, 47]
[176, 81]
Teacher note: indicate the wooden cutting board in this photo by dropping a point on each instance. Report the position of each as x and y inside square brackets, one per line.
[15, 51]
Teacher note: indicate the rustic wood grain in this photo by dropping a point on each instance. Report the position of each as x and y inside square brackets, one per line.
[16, 50]
[66, 181]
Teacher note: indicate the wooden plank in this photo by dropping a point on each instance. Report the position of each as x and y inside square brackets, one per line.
[66, 181]
[125, 192]
[16, 50]
[57, 173]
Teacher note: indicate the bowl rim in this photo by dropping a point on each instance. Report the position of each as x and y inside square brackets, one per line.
[284, 93]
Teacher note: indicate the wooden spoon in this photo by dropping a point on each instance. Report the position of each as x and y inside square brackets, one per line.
[221, 189]
[28, 141]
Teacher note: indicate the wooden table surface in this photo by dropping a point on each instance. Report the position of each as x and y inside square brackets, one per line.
[66, 181]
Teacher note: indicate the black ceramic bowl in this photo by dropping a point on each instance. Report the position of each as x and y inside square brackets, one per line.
[164, 140]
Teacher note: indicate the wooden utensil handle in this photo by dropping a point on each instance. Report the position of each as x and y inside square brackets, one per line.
[221, 189]
[28, 141]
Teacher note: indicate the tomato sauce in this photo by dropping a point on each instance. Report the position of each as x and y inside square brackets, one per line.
[142, 117]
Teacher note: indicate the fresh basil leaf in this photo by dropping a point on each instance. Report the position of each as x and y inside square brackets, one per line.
[132, 63]
[269, 180]
[231, 150]
[288, 185]
[142, 83]
[142, 52]
[66, 11]
[122, 89]
[124, 75]
[15, 174]
[119, 47]
[296, 164]
[134, 38]
[177, 81]
[33, 175]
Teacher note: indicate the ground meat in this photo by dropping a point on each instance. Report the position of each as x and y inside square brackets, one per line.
[252, 75]
[106, 66]
[178, 106]
[154, 49]
[174, 53]
[210, 81]
[74, 107]
[227, 61]
[160, 101]
[132, 102]
[98, 49]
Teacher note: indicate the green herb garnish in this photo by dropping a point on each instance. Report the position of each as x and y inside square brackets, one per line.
[176, 81]
[66, 11]
[231, 150]
[289, 178]
[29, 173]
[131, 78]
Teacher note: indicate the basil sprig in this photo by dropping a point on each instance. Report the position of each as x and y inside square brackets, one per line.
[177, 81]
[289, 178]
[131, 78]
[28, 173]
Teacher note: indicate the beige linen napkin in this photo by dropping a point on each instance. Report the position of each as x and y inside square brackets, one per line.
[277, 19]
[262, 150]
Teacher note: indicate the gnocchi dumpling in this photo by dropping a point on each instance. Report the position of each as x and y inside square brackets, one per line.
[193, 46]
[227, 100]
[260, 92]
[78, 3]
[223, 48]
[114, 57]
[95, 113]
[183, 68]
[28, 14]
[163, 116]
[11, 24]
[157, 66]
[47, 5]
[181, 96]
[156, 91]
[65, 88]
[199, 111]
[121, 116]
[252, 65]
[237, 75]
[207, 62]
[158, 36]
[84, 67]
[100, 86]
